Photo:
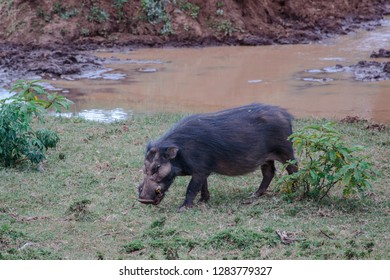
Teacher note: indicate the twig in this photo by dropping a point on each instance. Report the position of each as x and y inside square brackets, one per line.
[327, 191]
[107, 234]
[27, 219]
[326, 235]
[189, 251]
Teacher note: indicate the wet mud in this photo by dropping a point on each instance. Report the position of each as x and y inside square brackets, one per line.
[363, 71]
[25, 62]
[382, 53]
[371, 71]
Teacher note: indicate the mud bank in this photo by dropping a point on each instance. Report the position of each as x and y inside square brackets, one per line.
[366, 71]
[382, 53]
[23, 61]
[370, 71]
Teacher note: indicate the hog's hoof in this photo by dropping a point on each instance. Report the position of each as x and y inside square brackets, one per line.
[249, 200]
[204, 199]
[257, 194]
[184, 208]
[252, 198]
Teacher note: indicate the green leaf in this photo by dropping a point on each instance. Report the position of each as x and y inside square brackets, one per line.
[347, 178]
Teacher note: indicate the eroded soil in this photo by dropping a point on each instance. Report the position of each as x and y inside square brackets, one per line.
[183, 22]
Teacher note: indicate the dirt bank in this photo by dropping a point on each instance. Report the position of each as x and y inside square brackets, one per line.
[183, 22]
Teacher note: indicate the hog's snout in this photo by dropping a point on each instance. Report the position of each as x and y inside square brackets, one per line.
[146, 201]
[150, 193]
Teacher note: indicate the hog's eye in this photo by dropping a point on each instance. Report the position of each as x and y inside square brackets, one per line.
[156, 168]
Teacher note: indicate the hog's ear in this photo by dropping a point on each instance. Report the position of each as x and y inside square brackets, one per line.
[171, 152]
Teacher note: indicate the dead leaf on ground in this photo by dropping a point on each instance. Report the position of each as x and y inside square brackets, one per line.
[287, 237]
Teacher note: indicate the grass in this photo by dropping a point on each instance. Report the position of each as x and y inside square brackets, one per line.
[83, 206]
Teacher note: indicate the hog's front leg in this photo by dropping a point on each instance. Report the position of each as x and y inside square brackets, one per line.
[196, 184]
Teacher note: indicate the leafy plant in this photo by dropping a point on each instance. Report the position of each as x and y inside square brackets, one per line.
[69, 14]
[58, 8]
[97, 15]
[189, 8]
[225, 27]
[85, 32]
[62, 12]
[326, 162]
[118, 4]
[18, 139]
[166, 29]
[154, 10]
[155, 14]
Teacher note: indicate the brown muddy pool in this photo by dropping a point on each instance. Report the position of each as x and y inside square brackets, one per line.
[301, 78]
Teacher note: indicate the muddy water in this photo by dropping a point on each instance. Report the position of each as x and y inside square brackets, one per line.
[301, 78]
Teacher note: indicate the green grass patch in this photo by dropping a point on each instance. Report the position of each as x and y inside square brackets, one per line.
[81, 204]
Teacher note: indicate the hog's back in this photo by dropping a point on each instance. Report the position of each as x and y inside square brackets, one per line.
[231, 142]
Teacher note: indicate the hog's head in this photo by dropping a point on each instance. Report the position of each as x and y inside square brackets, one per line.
[159, 174]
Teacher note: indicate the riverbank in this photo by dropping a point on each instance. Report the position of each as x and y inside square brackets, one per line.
[183, 23]
[82, 204]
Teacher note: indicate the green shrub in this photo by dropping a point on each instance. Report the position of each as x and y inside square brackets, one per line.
[224, 27]
[167, 29]
[18, 139]
[62, 11]
[189, 8]
[154, 10]
[97, 15]
[326, 162]
[118, 4]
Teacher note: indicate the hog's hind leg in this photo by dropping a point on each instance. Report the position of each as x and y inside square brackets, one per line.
[204, 192]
